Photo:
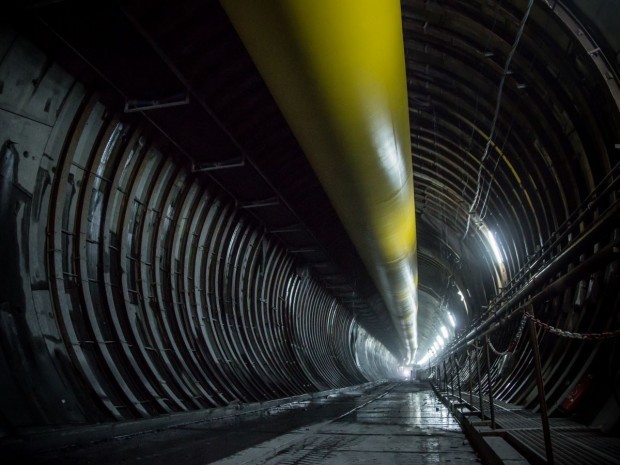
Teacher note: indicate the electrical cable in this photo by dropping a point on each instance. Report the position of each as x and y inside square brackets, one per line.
[477, 194]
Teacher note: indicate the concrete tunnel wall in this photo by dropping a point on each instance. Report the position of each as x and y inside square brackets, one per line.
[104, 316]
[130, 289]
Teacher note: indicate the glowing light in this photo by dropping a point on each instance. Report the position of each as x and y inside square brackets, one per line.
[494, 246]
[461, 296]
[444, 331]
[424, 359]
[451, 316]
[440, 340]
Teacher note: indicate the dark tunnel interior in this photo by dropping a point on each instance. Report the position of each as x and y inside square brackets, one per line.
[167, 247]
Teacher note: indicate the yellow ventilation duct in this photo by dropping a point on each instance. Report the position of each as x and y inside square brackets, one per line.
[336, 69]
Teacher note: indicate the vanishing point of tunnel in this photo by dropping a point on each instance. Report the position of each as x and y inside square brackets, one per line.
[310, 231]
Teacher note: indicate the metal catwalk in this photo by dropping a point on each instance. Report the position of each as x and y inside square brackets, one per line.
[505, 428]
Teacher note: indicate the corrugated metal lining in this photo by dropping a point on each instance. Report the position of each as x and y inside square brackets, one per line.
[230, 116]
[556, 138]
[152, 294]
[554, 175]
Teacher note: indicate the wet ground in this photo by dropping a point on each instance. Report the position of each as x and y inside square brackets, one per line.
[390, 423]
[405, 425]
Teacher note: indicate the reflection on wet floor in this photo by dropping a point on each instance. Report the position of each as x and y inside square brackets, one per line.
[407, 424]
[390, 423]
[198, 442]
[412, 405]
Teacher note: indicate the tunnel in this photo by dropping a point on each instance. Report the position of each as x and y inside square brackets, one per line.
[189, 233]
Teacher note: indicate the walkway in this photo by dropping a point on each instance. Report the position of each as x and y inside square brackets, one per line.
[572, 443]
[390, 423]
[404, 424]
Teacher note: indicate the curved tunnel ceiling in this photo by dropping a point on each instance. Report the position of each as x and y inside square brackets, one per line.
[513, 125]
[504, 133]
[515, 133]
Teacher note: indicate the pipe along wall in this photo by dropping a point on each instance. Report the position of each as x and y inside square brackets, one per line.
[129, 288]
[337, 73]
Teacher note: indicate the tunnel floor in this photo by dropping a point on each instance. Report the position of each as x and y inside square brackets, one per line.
[405, 423]
[389, 423]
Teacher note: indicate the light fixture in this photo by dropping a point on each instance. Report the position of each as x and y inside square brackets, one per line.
[451, 316]
[444, 331]
[493, 244]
